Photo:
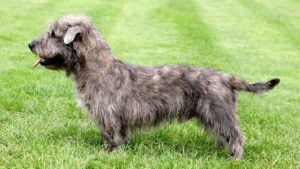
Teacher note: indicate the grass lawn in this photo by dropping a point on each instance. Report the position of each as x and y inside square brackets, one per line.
[41, 127]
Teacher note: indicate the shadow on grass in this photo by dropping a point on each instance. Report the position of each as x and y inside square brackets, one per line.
[158, 141]
[75, 133]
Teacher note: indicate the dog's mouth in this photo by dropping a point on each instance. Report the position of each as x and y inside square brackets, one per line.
[39, 61]
[54, 61]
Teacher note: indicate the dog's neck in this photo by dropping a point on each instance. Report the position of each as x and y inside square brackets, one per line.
[94, 62]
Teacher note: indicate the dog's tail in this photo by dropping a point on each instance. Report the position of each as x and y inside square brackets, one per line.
[239, 84]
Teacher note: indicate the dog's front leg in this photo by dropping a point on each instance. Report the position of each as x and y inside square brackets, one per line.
[111, 134]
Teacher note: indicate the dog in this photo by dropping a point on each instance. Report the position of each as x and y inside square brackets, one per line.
[121, 97]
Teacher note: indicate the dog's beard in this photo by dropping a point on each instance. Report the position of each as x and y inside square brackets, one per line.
[55, 62]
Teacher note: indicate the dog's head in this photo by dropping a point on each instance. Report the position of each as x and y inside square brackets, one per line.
[59, 48]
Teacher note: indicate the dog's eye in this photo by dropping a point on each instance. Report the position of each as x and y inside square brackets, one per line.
[52, 34]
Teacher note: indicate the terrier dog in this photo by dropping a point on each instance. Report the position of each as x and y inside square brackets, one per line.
[121, 97]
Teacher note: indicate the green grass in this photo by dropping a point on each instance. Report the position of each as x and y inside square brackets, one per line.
[41, 127]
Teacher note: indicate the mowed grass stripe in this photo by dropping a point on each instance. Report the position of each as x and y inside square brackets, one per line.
[148, 41]
[280, 35]
[258, 50]
[195, 40]
[234, 30]
[277, 20]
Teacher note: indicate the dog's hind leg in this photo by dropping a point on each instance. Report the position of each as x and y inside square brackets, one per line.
[219, 118]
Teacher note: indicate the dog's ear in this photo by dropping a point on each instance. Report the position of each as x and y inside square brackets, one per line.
[71, 34]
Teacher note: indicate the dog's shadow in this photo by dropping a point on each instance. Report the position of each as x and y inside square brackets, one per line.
[193, 143]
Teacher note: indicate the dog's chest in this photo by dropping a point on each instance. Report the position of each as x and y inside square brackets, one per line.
[79, 99]
[94, 102]
[88, 102]
[83, 96]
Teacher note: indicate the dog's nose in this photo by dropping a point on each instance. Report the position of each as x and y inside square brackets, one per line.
[31, 45]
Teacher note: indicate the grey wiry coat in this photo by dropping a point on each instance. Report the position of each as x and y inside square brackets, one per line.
[121, 97]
